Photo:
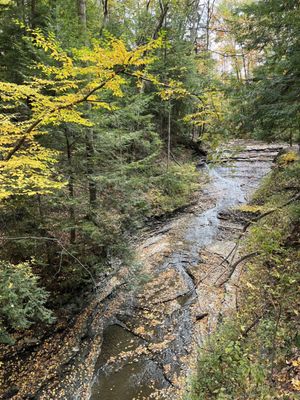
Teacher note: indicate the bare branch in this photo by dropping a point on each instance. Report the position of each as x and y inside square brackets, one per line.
[59, 243]
[234, 265]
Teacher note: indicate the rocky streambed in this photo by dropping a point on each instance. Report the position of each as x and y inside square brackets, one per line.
[141, 344]
[150, 345]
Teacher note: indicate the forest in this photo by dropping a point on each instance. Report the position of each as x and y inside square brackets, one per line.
[149, 199]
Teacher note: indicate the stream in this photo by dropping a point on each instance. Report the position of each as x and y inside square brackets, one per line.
[148, 346]
[140, 342]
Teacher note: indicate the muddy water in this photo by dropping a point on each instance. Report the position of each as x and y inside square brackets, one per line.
[127, 381]
[147, 346]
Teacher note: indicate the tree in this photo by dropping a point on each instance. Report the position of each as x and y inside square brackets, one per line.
[70, 82]
[270, 96]
[22, 301]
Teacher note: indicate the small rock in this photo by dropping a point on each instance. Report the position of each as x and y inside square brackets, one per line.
[11, 392]
[31, 341]
[201, 316]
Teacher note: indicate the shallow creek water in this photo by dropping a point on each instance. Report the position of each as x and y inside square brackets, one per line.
[141, 358]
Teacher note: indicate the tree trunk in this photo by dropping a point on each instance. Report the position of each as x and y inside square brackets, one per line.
[90, 152]
[163, 15]
[245, 67]
[105, 15]
[81, 6]
[207, 24]
[169, 136]
[42, 222]
[32, 13]
[89, 136]
[71, 189]
[210, 6]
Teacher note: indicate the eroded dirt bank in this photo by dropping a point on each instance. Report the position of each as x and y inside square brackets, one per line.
[140, 344]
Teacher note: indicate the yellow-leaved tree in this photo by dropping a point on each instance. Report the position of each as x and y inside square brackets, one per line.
[209, 109]
[53, 96]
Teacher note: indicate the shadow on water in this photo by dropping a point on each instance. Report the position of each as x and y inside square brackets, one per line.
[125, 379]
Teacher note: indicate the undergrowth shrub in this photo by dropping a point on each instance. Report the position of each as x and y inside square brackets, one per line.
[172, 189]
[22, 300]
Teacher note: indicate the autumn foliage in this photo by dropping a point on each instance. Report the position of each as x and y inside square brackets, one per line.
[55, 95]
